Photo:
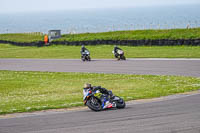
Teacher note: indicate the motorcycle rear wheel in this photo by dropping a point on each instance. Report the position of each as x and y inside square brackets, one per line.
[89, 59]
[123, 57]
[120, 104]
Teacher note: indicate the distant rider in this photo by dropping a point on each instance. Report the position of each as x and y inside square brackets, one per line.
[85, 54]
[83, 49]
[115, 51]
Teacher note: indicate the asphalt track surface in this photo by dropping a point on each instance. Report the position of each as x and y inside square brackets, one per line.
[175, 114]
[184, 67]
[178, 115]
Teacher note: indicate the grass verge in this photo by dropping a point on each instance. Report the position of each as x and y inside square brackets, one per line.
[193, 33]
[31, 91]
[22, 37]
[98, 52]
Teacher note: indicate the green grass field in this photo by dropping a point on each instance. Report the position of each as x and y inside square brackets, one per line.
[22, 37]
[99, 51]
[116, 35]
[31, 91]
[136, 35]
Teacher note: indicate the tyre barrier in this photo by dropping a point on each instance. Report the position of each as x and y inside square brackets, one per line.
[39, 43]
[160, 42]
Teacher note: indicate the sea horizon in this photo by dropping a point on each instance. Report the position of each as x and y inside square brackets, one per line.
[102, 20]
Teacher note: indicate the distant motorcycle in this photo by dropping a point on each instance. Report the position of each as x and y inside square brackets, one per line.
[119, 55]
[85, 56]
[97, 101]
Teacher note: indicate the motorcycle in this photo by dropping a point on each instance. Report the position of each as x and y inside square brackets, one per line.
[85, 56]
[120, 55]
[97, 101]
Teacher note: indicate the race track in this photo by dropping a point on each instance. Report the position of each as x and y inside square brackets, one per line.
[184, 67]
[179, 115]
[174, 114]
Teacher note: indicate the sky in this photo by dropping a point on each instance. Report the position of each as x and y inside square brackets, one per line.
[14, 6]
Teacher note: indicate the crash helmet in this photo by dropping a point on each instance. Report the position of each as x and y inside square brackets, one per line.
[87, 85]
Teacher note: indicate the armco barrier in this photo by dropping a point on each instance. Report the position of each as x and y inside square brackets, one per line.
[161, 42]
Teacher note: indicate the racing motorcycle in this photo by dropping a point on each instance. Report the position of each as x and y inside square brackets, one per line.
[97, 101]
[85, 56]
[120, 55]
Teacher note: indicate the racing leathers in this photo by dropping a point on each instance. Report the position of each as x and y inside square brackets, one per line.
[106, 94]
[115, 51]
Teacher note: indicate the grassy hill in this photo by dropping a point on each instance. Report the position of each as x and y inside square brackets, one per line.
[135, 35]
[116, 35]
[22, 37]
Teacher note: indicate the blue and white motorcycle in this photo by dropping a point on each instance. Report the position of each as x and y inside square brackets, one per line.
[85, 56]
[97, 101]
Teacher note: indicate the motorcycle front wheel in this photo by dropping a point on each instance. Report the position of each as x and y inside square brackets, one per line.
[94, 104]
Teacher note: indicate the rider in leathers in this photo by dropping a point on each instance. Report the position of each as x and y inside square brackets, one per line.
[115, 51]
[104, 91]
[83, 49]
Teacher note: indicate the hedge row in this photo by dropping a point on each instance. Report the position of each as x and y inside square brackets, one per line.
[40, 43]
[161, 42]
